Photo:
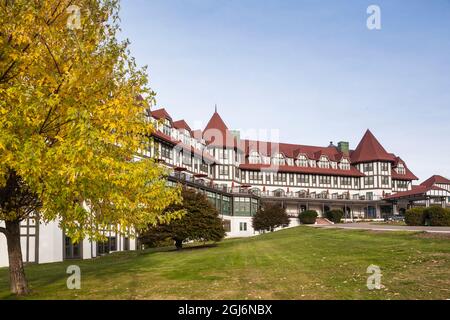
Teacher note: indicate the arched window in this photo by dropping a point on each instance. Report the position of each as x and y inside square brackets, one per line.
[255, 191]
[278, 193]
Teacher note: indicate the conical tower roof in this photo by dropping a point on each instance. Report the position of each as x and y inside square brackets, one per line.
[370, 149]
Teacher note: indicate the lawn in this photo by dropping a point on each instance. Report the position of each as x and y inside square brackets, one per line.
[297, 263]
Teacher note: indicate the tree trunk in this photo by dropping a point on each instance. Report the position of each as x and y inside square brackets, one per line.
[18, 282]
[179, 244]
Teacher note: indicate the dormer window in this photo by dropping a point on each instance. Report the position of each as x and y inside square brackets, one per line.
[344, 165]
[185, 137]
[278, 159]
[401, 169]
[254, 157]
[323, 162]
[166, 127]
[302, 161]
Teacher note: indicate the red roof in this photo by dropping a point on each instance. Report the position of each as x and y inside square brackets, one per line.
[161, 114]
[436, 179]
[353, 172]
[291, 150]
[369, 149]
[415, 191]
[408, 176]
[181, 124]
[204, 154]
[216, 133]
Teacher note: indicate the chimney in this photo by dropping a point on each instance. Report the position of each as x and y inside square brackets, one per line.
[343, 147]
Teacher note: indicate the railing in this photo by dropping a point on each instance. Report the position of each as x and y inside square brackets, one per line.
[182, 177]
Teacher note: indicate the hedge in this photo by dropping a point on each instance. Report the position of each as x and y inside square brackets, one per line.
[334, 215]
[308, 217]
[415, 217]
[437, 216]
[432, 216]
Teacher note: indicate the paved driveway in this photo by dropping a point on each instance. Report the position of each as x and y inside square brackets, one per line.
[384, 227]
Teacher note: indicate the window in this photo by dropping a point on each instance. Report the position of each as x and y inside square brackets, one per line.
[302, 178]
[291, 179]
[368, 181]
[344, 165]
[385, 167]
[254, 157]
[368, 167]
[166, 127]
[224, 170]
[324, 180]
[204, 168]
[71, 250]
[126, 244]
[401, 169]
[369, 196]
[346, 181]
[279, 178]
[110, 244]
[226, 205]
[166, 151]
[402, 184]
[278, 159]
[243, 226]
[385, 181]
[255, 176]
[242, 206]
[187, 159]
[324, 163]
[223, 154]
[302, 161]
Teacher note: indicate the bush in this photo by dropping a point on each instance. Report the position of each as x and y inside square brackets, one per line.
[334, 215]
[308, 217]
[269, 217]
[415, 217]
[437, 216]
[201, 222]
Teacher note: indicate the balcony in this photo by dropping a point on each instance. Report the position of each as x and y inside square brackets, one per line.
[299, 195]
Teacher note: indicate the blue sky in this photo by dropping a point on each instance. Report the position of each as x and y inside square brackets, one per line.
[311, 69]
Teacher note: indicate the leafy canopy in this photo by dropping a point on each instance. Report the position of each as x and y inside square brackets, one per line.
[201, 222]
[70, 121]
[270, 217]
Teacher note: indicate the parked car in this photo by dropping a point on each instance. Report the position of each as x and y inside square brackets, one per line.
[399, 218]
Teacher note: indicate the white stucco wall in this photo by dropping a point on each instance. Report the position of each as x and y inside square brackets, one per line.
[50, 243]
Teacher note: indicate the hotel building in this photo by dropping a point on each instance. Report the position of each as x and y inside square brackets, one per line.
[237, 175]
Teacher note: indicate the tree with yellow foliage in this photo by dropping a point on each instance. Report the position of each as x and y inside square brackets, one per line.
[71, 126]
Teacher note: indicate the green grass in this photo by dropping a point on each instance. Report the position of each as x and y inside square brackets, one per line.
[298, 263]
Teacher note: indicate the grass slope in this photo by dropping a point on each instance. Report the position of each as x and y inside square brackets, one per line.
[298, 263]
